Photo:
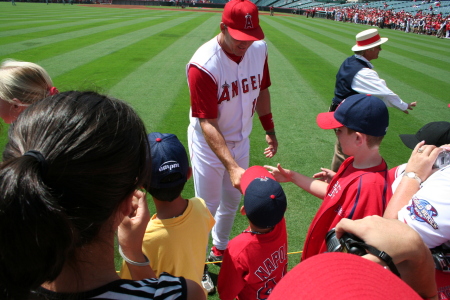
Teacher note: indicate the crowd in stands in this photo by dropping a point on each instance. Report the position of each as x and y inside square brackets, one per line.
[421, 22]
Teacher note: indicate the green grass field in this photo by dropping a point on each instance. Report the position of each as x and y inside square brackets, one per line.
[140, 56]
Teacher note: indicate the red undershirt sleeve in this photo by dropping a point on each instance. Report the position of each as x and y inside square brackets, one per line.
[203, 91]
[266, 77]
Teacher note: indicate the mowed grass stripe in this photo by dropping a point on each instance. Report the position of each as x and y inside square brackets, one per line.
[51, 37]
[14, 23]
[414, 59]
[158, 87]
[315, 68]
[424, 45]
[45, 29]
[87, 27]
[338, 31]
[70, 60]
[106, 71]
[70, 41]
[382, 65]
[323, 32]
[435, 69]
[415, 79]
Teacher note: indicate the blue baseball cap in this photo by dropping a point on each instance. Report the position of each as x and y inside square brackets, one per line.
[362, 113]
[264, 199]
[168, 157]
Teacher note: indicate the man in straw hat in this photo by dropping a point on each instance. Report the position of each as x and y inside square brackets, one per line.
[229, 81]
[356, 76]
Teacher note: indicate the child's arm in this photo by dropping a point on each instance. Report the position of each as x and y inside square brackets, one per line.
[311, 185]
[230, 281]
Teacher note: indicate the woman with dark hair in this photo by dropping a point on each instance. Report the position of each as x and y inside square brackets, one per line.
[67, 184]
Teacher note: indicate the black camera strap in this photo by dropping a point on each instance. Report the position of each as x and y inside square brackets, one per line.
[383, 256]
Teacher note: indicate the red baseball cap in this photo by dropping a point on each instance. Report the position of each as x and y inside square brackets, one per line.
[241, 18]
[251, 174]
[335, 275]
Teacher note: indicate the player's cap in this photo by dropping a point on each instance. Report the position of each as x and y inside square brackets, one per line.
[242, 20]
[341, 275]
[368, 39]
[264, 198]
[362, 113]
[434, 133]
[169, 158]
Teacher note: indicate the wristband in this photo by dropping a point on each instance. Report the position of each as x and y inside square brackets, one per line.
[413, 176]
[267, 121]
[132, 262]
[270, 132]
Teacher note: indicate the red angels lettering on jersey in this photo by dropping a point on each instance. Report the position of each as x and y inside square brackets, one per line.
[252, 83]
[271, 263]
[238, 85]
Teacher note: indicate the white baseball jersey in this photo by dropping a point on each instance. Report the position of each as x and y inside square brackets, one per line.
[428, 212]
[238, 86]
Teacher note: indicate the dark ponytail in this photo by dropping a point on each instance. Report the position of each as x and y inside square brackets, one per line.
[85, 154]
[35, 234]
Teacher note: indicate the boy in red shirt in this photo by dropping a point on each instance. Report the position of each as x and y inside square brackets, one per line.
[360, 187]
[256, 260]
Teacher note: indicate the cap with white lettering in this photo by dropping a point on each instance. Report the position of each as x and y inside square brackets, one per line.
[169, 157]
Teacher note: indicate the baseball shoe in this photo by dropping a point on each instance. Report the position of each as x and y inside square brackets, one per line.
[207, 282]
[216, 256]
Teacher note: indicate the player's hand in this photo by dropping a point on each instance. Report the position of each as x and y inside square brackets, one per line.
[422, 160]
[132, 228]
[325, 175]
[273, 145]
[280, 174]
[235, 177]
[410, 107]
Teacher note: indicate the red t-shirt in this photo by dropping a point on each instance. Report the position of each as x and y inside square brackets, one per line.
[253, 264]
[353, 194]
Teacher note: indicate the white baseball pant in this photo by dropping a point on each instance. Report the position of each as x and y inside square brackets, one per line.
[212, 183]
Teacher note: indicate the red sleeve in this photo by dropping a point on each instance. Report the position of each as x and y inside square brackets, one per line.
[231, 280]
[266, 76]
[203, 92]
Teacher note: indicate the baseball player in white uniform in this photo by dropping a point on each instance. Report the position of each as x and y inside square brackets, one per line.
[228, 80]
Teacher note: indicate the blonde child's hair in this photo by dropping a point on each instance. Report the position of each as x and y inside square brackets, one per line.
[25, 81]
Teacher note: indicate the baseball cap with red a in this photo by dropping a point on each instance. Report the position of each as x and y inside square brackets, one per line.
[242, 20]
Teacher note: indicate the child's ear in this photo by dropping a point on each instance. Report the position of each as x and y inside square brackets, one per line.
[243, 211]
[360, 138]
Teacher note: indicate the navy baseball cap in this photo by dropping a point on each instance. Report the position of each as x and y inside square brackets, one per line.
[362, 113]
[168, 157]
[264, 199]
[434, 133]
